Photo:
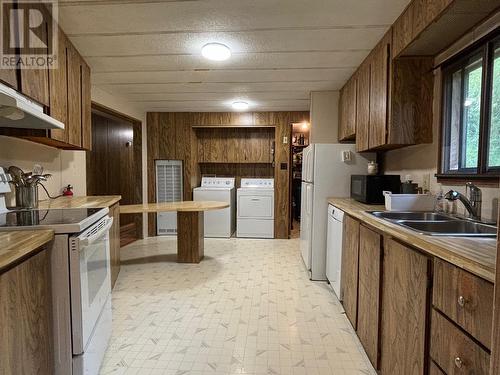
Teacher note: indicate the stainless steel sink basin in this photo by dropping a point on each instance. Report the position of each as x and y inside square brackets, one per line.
[394, 215]
[451, 228]
[437, 224]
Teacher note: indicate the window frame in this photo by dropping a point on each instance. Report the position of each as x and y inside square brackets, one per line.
[484, 48]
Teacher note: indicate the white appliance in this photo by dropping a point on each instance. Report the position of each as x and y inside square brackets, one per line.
[90, 280]
[169, 188]
[18, 111]
[326, 171]
[255, 207]
[80, 279]
[218, 223]
[334, 248]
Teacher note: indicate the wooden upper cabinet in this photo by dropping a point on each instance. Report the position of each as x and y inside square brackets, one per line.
[414, 20]
[349, 274]
[58, 93]
[405, 290]
[363, 108]
[74, 122]
[8, 76]
[379, 85]
[347, 111]
[86, 107]
[35, 82]
[370, 259]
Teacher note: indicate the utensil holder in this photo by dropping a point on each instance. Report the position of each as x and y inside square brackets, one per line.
[27, 196]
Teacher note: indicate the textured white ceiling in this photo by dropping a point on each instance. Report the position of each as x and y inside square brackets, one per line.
[149, 51]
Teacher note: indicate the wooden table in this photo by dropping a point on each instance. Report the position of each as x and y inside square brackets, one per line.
[190, 224]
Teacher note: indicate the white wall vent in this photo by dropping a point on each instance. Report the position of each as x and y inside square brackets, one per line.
[169, 188]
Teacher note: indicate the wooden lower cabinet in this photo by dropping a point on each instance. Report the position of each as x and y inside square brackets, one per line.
[349, 275]
[114, 242]
[370, 257]
[405, 302]
[465, 299]
[26, 318]
[454, 351]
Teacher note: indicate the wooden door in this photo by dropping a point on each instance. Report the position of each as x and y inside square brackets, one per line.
[349, 275]
[26, 318]
[495, 341]
[35, 82]
[363, 107]
[74, 120]
[379, 88]
[370, 254]
[405, 288]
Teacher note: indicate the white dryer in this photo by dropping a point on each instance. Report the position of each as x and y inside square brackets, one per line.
[218, 223]
[255, 208]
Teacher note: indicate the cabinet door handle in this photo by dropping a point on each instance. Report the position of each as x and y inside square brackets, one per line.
[461, 301]
[458, 362]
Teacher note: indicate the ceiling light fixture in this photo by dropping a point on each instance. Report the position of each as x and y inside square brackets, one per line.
[240, 106]
[216, 51]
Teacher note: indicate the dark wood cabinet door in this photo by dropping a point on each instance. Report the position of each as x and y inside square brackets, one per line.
[370, 254]
[86, 107]
[58, 92]
[363, 107]
[347, 111]
[26, 318]
[349, 275]
[74, 122]
[379, 88]
[405, 284]
[35, 82]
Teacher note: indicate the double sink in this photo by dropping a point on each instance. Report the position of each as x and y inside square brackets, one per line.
[437, 224]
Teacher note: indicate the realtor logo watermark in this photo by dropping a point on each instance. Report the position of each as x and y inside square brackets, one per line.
[29, 34]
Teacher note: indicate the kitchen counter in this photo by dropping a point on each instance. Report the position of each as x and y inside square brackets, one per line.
[476, 255]
[96, 201]
[16, 246]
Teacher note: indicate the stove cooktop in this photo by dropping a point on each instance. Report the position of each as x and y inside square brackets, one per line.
[68, 220]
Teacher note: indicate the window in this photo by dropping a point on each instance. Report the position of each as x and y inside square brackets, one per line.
[471, 113]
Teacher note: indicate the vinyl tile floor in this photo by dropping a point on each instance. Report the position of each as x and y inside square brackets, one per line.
[247, 308]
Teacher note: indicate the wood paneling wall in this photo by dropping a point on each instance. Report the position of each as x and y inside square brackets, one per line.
[114, 168]
[171, 136]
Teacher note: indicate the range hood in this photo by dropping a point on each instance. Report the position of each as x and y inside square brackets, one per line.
[18, 111]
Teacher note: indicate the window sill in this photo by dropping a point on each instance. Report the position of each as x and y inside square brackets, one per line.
[461, 179]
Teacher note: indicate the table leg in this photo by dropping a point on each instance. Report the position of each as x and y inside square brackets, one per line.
[190, 233]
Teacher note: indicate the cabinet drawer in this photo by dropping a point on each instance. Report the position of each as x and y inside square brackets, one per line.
[454, 351]
[464, 298]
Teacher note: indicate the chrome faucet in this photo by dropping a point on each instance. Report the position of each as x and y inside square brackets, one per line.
[472, 203]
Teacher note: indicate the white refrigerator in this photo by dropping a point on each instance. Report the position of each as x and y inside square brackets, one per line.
[326, 172]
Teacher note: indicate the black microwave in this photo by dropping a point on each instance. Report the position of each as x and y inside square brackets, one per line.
[369, 188]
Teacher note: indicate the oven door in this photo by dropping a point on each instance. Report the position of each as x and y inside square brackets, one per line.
[90, 280]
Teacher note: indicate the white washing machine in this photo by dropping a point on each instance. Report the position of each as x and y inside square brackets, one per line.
[255, 207]
[218, 223]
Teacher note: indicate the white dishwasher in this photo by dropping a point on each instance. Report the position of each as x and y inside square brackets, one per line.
[334, 248]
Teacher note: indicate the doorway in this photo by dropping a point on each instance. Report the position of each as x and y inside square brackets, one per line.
[299, 141]
[114, 166]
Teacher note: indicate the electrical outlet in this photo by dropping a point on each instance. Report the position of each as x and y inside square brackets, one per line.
[346, 156]
[285, 140]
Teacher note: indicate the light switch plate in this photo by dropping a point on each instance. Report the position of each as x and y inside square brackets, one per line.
[285, 140]
[346, 156]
